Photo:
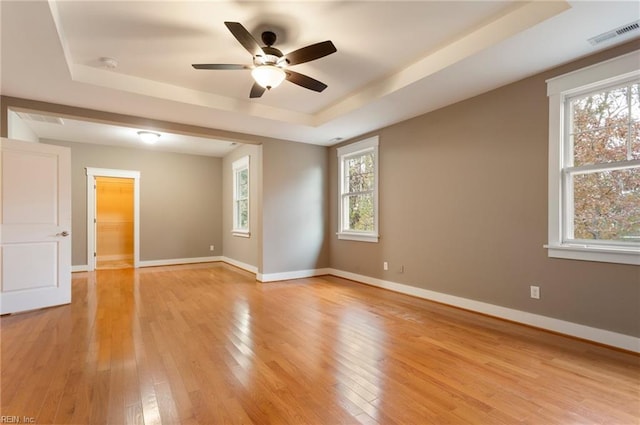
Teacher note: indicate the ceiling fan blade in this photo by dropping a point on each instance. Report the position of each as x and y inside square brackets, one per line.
[245, 38]
[230, 66]
[305, 81]
[256, 91]
[309, 53]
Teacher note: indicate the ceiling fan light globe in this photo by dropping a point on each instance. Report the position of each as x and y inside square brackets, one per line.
[268, 76]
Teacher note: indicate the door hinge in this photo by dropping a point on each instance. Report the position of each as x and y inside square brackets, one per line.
[95, 220]
[94, 254]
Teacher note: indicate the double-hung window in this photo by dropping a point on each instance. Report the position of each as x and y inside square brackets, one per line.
[241, 197]
[358, 189]
[594, 163]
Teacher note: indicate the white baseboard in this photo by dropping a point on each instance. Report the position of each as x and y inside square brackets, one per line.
[82, 268]
[298, 274]
[613, 339]
[176, 261]
[240, 264]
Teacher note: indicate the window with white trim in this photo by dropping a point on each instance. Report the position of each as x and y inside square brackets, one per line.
[594, 163]
[358, 191]
[241, 197]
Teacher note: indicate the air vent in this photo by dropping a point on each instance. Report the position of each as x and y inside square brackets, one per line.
[30, 116]
[623, 30]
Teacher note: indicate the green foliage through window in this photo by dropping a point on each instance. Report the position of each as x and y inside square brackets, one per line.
[359, 177]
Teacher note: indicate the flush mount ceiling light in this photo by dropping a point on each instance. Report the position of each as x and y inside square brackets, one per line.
[148, 136]
[268, 76]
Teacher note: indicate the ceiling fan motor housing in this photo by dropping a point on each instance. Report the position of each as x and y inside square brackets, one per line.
[271, 56]
[269, 38]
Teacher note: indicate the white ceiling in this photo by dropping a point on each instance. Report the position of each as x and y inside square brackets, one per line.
[124, 136]
[395, 60]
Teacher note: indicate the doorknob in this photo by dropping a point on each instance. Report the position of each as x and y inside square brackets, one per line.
[64, 233]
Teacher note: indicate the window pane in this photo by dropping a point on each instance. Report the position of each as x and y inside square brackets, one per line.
[598, 110]
[243, 214]
[607, 205]
[360, 208]
[600, 146]
[359, 173]
[242, 184]
[243, 177]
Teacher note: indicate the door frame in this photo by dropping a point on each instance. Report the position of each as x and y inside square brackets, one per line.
[92, 173]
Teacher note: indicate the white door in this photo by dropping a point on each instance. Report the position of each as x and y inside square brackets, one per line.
[35, 226]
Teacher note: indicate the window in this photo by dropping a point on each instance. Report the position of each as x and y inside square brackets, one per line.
[358, 180]
[241, 197]
[594, 163]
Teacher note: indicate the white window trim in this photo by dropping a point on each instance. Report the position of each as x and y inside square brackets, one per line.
[364, 145]
[617, 70]
[239, 165]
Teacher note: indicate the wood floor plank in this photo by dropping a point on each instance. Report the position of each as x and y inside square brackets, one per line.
[207, 344]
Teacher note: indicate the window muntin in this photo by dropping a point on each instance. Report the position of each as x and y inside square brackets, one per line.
[241, 196]
[358, 203]
[594, 162]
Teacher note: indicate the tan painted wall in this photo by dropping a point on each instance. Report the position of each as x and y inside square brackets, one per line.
[237, 248]
[294, 206]
[180, 199]
[463, 207]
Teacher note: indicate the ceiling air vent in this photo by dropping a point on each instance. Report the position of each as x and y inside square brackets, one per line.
[623, 30]
[30, 116]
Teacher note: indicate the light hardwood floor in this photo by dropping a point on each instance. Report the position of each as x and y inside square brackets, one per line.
[207, 344]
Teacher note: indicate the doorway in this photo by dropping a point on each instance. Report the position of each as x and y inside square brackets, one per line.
[114, 223]
[112, 218]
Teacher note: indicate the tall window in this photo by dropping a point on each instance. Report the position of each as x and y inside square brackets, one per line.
[241, 197]
[358, 168]
[595, 164]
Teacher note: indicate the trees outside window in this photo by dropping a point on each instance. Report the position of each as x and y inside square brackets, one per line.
[605, 140]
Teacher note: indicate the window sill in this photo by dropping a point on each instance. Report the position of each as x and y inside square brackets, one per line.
[241, 233]
[345, 236]
[618, 255]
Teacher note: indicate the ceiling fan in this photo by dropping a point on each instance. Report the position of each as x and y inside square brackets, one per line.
[270, 66]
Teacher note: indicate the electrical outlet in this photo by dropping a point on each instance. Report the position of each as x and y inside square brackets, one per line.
[385, 266]
[535, 292]
[212, 247]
